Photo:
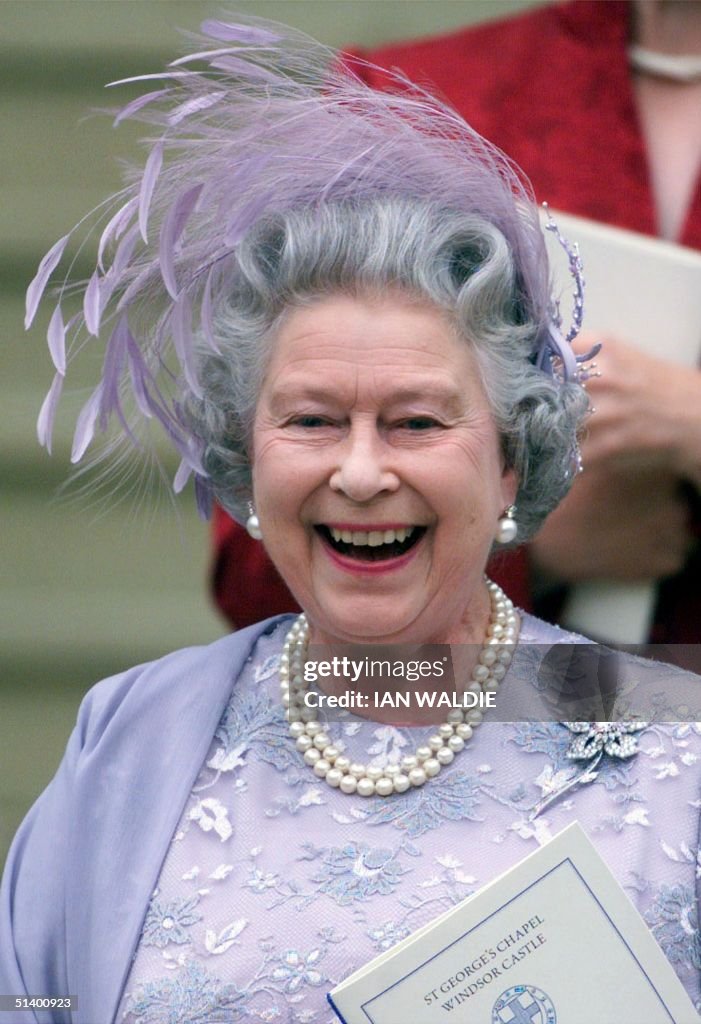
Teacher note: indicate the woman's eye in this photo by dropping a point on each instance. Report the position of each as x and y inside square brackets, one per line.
[309, 422]
[419, 423]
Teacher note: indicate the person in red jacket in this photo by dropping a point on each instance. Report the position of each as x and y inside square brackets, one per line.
[599, 103]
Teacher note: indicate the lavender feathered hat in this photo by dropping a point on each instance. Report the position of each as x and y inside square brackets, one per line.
[258, 120]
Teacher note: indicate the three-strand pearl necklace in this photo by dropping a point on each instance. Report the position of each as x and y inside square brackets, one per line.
[330, 764]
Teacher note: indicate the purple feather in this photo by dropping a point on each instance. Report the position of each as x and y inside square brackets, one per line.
[137, 104]
[203, 496]
[115, 355]
[181, 326]
[125, 250]
[247, 216]
[192, 106]
[237, 33]
[207, 315]
[139, 374]
[91, 304]
[115, 227]
[56, 337]
[85, 425]
[171, 230]
[47, 413]
[150, 78]
[148, 183]
[182, 476]
[202, 55]
[44, 272]
[237, 66]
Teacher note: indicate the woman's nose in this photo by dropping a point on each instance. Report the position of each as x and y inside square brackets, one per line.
[365, 466]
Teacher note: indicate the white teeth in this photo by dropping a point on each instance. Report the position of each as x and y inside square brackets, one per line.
[372, 538]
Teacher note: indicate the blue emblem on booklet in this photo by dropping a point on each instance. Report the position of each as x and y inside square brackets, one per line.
[524, 1004]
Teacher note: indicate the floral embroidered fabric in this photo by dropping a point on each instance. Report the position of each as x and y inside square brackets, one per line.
[275, 887]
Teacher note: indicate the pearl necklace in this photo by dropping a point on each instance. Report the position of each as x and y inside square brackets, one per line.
[336, 769]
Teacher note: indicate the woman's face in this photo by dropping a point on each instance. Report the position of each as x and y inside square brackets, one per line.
[378, 478]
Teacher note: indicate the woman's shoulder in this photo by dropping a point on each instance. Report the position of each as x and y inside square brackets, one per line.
[184, 682]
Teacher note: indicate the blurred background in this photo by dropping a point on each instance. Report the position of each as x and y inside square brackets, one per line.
[85, 591]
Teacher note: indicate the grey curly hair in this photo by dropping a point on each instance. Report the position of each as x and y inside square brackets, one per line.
[458, 261]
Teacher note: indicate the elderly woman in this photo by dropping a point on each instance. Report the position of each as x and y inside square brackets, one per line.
[336, 305]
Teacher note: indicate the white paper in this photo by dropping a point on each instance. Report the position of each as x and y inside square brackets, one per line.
[553, 941]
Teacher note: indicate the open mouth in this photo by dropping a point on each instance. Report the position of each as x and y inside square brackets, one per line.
[372, 545]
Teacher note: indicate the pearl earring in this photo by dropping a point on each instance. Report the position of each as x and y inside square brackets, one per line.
[507, 527]
[253, 524]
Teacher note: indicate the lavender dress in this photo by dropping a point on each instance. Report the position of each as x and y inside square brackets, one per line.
[275, 887]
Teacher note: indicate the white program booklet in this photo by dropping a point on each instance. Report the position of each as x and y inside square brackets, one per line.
[555, 940]
[647, 292]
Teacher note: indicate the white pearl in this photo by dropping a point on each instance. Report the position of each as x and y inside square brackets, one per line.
[417, 776]
[303, 743]
[321, 768]
[333, 777]
[373, 773]
[308, 714]
[464, 731]
[296, 729]
[499, 671]
[313, 728]
[384, 786]
[445, 755]
[455, 716]
[435, 742]
[321, 740]
[474, 717]
[431, 767]
[343, 763]
[456, 744]
[488, 657]
[423, 753]
[410, 762]
[445, 731]
[312, 755]
[480, 673]
[366, 787]
[331, 753]
[349, 783]
[392, 770]
[401, 783]
[491, 686]
[357, 769]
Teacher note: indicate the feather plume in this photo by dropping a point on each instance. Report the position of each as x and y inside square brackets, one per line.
[47, 413]
[85, 425]
[238, 33]
[44, 272]
[56, 337]
[91, 304]
[148, 183]
[171, 230]
[181, 327]
[115, 227]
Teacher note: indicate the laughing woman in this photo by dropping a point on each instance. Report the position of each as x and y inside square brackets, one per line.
[336, 305]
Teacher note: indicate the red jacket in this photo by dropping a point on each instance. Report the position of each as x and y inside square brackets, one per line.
[551, 87]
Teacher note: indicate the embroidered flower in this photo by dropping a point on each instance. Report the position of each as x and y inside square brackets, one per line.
[259, 881]
[166, 922]
[617, 739]
[296, 970]
[674, 921]
[358, 871]
[452, 796]
[191, 995]
[387, 935]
